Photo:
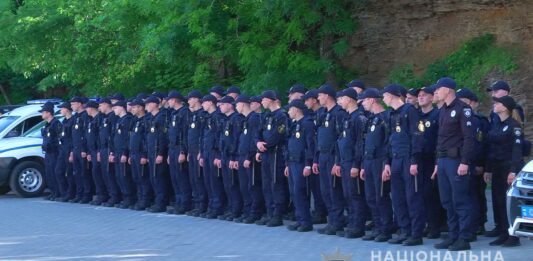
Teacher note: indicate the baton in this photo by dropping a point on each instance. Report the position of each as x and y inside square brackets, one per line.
[142, 169]
[382, 180]
[358, 186]
[416, 183]
[275, 159]
[253, 173]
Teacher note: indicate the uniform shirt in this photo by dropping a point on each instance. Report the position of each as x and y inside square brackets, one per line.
[211, 132]
[91, 133]
[229, 136]
[376, 137]
[250, 127]
[194, 129]
[301, 142]
[431, 125]
[456, 132]
[51, 133]
[177, 130]
[482, 127]
[106, 122]
[78, 133]
[505, 144]
[121, 135]
[273, 129]
[156, 135]
[137, 132]
[406, 133]
[65, 138]
[328, 130]
[350, 141]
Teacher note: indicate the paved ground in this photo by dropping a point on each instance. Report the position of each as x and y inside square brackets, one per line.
[34, 229]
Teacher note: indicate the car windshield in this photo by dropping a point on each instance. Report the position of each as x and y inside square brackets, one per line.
[5, 121]
[35, 132]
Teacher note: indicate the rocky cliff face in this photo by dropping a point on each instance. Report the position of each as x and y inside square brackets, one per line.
[418, 32]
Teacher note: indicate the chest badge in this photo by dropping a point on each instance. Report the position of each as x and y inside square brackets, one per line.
[48, 134]
[76, 126]
[173, 123]
[136, 129]
[245, 131]
[62, 134]
[421, 126]
[105, 125]
[297, 135]
[453, 113]
[428, 124]
[269, 126]
[89, 131]
[193, 125]
[119, 131]
[373, 128]
[505, 128]
[398, 129]
[326, 124]
[344, 134]
[226, 133]
[152, 129]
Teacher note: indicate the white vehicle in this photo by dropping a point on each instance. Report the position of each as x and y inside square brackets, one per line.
[18, 121]
[520, 203]
[22, 163]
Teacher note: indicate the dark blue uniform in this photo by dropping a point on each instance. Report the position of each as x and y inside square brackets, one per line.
[349, 155]
[481, 153]
[300, 154]
[92, 137]
[426, 166]
[377, 192]
[51, 136]
[320, 211]
[407, 190]
[455, 146]
[329, 124]
[120, 148]
[81, 166]
[194, 125]
[105, 135]
[505, 156]
[229, 137]
[273, 132]
[157, 143]
[250, 178]
[212, 174]
[140, 172]
[63, 170]
[179, 173]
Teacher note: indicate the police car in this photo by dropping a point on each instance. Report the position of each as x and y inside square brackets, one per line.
[520, 203]
[17, 122]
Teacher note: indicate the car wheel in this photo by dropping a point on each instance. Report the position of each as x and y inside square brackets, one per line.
[27, 179]
[4, 190]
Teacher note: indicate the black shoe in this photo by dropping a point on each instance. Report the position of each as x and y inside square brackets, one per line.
[382, 238]
[85, 201]
[275, 222]
[193, 213]
[289, 216]
[211, 216]
[74, 200]
[512, 242]
[499, 241]
[459, 245]
[444, 244]
[140, 207]
[250, 220]
[62, 199]
[481, 230]
[353, 233]
[328, 230]
[492, 233]
[399, 239]
[203, 214]
[49, 197]
[369, 226]
[305, 228]
[156, 209]
[319, 219]
[96, 202]
[230, 217]
[413, 241]
[239, 219]
[472, 238]
[371, 236]
[341, 233]
[433, 235]
[263, 221]
[223, 216]
[293, 226]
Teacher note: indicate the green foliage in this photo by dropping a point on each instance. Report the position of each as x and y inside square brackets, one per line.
[104, 46]
[468, 65]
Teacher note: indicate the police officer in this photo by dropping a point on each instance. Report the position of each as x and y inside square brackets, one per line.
[92, 137]
[310, 99]
[499, 89]
[405, 148]
[233, 91]
[138, 156]
[63, 171]
[106, 123]
[298, 160]
[177, 154]
[228, 161]
[455, 147]
[194, 124]
[328, 125]
[78, 155]
[51, 134]
[248, 168]
[120, 153]
[427, 167]
[296, 92]
[503, 163]
[377, 190]
[217, 91]
[412, 97]
[359, 87]
[349, 157]
[156, 141]
[270, 145]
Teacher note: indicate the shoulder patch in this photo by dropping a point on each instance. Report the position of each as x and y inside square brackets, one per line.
[518, 132]
[467, 112]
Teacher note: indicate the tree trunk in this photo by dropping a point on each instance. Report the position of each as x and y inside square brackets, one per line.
[4, 93]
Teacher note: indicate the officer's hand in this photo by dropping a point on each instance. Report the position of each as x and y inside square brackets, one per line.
[231, 165]
[159, 160]
[246, 164]
[98, 158]
[362, 174]
[181, 158]
[261, 146]
[89, 157]
[111, 158]
[336, 170]
[414, 169]
[354, 172]
[258, 157]
[144, 161]
[83, 154]
[479, 171]
[385, 175]
[307, 171]
[510, 178]
[123, 159]
[217, 163]
[462, 170]
[201, 162]
[315, 168]
[286, 172]
[236, 165]
[487, 177]
[434, 174]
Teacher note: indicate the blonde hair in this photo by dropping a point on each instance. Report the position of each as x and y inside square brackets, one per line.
[516, 116]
